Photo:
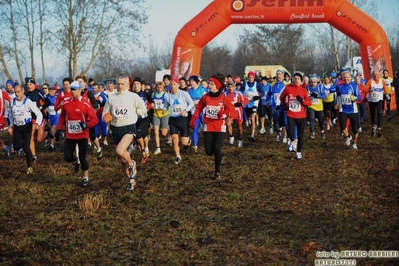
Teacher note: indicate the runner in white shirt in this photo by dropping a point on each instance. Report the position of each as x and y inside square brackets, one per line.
[122, 110]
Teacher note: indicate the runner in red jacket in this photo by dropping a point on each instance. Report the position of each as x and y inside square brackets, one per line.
[78, 116]
[217, 108]
[294, 99]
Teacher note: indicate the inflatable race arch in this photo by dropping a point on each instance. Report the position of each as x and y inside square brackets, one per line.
[219, 14]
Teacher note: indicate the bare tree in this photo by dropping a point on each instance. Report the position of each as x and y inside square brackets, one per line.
[9, 37]
[89, 27]
[215, 60]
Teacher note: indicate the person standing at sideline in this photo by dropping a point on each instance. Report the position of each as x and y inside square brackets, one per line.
[122, 110]
[21, 121]
[78, 116]
[217, 108]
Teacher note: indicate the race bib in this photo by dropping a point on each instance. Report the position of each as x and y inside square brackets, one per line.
[176, 110]
[74, 127]
[346, 99]
[120, 111]
[212, 112]
[19, 122]
[51, 110]
[276, 98]
[315, 101]
[158, 104]
[374, 96]
[250, 95]
[294, 105]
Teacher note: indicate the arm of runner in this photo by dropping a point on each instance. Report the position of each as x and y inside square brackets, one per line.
[33, 107]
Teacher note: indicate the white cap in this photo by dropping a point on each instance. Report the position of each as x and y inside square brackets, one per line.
[76, 85]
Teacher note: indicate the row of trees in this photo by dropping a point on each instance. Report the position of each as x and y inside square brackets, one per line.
[97, 37]
[74, 31]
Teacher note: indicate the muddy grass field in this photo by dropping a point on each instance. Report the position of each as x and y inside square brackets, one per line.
[267, 209]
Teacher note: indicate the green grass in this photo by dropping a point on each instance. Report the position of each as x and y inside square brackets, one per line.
[268, 208]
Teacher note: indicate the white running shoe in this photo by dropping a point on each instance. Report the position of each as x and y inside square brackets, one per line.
[299, 156]
[271, 131]
[348, 140]
[231, 141]
[285, 140]
[132, 170]
[131, 148]
[360, 130]
[288, 141]
[278, 137]
[294, 145]
[262, 130]
[157, 151]
[354, 146]
[239, 143]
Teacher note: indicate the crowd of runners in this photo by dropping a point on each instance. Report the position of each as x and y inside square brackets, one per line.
[82, 113]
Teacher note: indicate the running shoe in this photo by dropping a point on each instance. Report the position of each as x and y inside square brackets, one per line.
[169, 142]
[132, 184]
[185, 149]
[132, 170]
[323, 135]
[84, 181]
[105, 143]
[29, 171]
[285, 140]
[374, 131]
[178, 160]
[34, 158]
[253, 138]
[51, 148]
[6, 153]
[144, 157]
[239, 143]
[278, 137]
[131, 148]
[348, 140]
[379, 133]
[312, 135]
[77, 166]
[299, 156]
[99, 154]
[231, 140]
[360, 130]
[195, 148]
[262, 130]
[157, 151]
[216, 176]
[271, 131]
[46, 143]
[354, 146]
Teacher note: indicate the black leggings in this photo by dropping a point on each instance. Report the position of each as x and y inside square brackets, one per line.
[69, 151]
[21, 139]
[213, 145]
[300, 123]
[376, 106]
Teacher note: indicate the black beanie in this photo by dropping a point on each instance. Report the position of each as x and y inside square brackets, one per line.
[137, 79]
[195, 78]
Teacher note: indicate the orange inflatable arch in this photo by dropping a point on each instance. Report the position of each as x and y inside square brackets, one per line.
[219, 14]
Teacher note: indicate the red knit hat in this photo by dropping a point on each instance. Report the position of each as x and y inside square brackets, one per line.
[251, 73]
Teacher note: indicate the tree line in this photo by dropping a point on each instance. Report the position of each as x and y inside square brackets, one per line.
[101, 39]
